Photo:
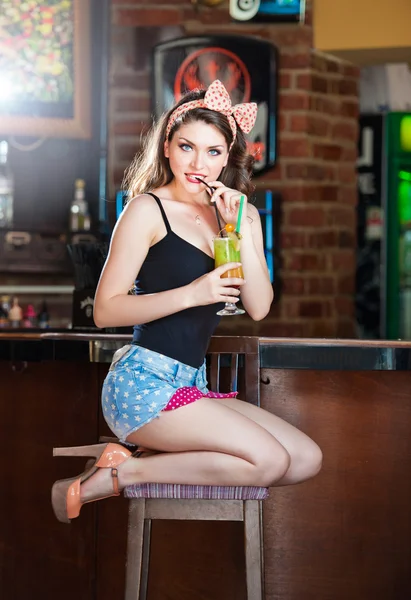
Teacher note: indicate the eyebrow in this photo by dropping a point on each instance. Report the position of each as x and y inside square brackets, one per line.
[192, 143]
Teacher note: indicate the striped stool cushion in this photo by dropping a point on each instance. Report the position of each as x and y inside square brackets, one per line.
[206, 492]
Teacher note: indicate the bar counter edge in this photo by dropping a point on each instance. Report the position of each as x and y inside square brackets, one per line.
[275, 353]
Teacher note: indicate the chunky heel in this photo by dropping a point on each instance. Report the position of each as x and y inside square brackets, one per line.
[91, 450]
[65, 493]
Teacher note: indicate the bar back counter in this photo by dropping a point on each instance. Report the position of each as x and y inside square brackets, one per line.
[344, 534]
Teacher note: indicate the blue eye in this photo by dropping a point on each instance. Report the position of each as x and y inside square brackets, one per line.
[185, 147]
[214, 152]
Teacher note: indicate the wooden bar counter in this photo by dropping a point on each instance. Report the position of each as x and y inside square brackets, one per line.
[345, 535]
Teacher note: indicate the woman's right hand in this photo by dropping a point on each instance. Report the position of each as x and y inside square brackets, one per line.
[213, 288]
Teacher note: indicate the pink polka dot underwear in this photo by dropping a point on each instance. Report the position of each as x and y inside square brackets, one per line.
[187, 395]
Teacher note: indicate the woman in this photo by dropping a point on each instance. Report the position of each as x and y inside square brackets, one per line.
[155, 394]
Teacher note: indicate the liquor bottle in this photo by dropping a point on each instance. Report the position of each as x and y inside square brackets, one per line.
[15, 313]
[6, 187]
[79, 213]
[43, 317]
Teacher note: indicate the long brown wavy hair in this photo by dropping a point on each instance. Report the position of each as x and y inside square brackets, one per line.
[150, 168]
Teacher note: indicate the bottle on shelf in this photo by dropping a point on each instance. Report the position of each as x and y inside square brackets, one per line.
[6, 187]
[43, 317]
[15, 313]
[30, 319]
[79, 211]
[4, 313]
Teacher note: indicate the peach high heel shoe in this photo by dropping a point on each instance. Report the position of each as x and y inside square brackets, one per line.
[65, 494]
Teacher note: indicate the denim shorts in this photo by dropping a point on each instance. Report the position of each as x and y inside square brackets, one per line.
[142, 383]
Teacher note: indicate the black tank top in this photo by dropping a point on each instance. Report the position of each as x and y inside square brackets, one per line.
[171, 263]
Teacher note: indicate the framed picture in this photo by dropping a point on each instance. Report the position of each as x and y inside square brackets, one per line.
[272, 11]
[45, 68]
[248, 69]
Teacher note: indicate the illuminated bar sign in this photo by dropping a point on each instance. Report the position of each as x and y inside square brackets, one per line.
[246, 66]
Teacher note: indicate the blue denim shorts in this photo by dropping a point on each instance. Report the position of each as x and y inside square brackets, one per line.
[141, 383]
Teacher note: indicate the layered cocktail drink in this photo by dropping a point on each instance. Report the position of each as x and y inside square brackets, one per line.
[227, 250]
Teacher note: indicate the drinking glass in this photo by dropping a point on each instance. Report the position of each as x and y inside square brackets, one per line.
[226, 250]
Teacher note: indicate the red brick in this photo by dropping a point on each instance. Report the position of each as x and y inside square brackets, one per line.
[206, 16]
[301, 193]
[344, 306]
[304, 81]
[349, 70]
[332, 66]
[342, 216]
[343, 260]
[329, 193]
[274, 174]
[345, 329]
[283, 122]
[293, 286]
[318, 62]
[319, 84]
[284, 330]
[308, 172]
[311, 309]
[348, 195]
[346, 284]
[146, 17]
[292, 239]
[350, 109]
[333, 87]
[347, 173]
[291, 307]
[349, 154]
[345, 130]
[305, 262]
[310, 123]
[133, 104]
[325, 105]
[294, 101]
[322, 329]
[295, 61]
[294, 148]
[347, 239]
[323, 239]
[131, 128]
[291, 36]
[348, 87]
[306, 217]
[320, 285]
[328, 152]
[285, 80]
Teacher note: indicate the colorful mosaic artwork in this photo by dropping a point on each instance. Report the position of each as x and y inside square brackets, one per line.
[36, 51]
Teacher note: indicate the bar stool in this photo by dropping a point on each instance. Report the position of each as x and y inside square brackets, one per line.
[196, 502]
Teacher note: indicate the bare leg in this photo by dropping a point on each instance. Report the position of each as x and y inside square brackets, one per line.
[305, 455]
[204, 443]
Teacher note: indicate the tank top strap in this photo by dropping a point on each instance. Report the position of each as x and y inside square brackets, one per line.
[163, 212]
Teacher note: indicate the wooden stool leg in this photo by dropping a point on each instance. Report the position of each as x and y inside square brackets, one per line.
[135, 539]
[145, 567]
[253, 549]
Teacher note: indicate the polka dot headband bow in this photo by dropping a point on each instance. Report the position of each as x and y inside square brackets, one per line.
[217, 98]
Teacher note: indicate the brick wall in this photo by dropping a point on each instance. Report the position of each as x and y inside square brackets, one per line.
[318, 120]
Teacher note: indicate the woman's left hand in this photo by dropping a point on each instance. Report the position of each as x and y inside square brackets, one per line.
[228, 202]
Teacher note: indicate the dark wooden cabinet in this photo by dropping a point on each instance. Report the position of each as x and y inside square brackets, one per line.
[44, 405]
[344, 534]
